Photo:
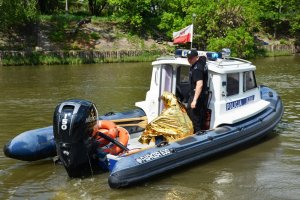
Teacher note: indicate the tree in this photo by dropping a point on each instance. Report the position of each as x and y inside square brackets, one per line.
[47, 6]
[173, 16]
[139, 15]
[280, 17]
[239, 40]
[17, 13]
[216, 19]
[96, 6]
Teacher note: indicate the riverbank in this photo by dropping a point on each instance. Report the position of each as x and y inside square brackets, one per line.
[8, 58]
[70, 39]
[279, 50]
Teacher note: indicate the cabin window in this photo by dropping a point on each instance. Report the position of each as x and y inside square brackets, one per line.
[184, 74]
[183, 83]
[165, 82]
[232, 84]
[249, 81]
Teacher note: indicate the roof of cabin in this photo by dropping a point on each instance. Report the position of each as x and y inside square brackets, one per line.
[221, 66]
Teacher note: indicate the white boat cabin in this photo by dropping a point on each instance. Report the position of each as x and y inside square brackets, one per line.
[234, 93]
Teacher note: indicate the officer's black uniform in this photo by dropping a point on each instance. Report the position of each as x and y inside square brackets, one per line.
[198, 71]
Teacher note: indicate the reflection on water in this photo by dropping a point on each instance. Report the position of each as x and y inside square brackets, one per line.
[279, 175]
[268, 170]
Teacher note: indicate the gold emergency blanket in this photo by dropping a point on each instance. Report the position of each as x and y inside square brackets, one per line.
[173, 122]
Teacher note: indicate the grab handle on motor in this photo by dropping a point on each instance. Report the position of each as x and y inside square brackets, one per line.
[113, 141]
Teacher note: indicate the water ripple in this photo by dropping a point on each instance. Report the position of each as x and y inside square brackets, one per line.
[268, 170]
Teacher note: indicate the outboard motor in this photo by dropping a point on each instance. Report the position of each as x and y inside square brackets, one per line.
[73, 124]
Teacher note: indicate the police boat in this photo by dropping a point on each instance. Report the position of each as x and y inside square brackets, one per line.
[238, 112]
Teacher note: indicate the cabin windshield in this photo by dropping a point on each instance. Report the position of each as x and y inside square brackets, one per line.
[165, 82]
[232, 84]
[249, 81]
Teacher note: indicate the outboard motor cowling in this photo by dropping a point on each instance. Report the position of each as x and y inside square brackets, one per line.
[73, 125]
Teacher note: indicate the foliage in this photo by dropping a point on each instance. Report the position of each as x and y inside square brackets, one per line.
[37, 58]
[17, 13]
[280, 17]
[133, 18]
[140, 15]
[95, 35]
[59, 24]
[96, 6]
[47, 6]
[63, 27]
[173, 16]
[239, 40]
[218, 23]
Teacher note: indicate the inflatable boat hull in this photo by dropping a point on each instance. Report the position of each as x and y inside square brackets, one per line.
[146, 164]
[32, 145]
[39, 143]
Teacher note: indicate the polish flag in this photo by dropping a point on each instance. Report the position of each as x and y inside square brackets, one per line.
[184, 35]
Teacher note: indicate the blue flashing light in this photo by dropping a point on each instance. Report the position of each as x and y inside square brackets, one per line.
[210, 55]
[213, 55]
[179, 53]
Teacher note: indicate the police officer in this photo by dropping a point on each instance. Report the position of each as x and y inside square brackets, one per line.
[198, 80]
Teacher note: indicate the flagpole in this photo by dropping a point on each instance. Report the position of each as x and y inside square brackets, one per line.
[193, 17]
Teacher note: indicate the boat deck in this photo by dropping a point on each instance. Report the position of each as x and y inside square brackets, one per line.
[135, 144]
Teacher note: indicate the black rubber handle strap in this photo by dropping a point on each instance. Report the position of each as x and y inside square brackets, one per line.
[113, 141]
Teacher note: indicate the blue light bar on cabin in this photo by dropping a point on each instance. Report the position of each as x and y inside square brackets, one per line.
[181, 53]
[213, 55]
[210, 55]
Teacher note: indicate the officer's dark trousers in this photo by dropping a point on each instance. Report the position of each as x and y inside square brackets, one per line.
[196, 114]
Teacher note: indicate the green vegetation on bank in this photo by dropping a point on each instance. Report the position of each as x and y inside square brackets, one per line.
[37, 58]
[276, 53]
[242, 25]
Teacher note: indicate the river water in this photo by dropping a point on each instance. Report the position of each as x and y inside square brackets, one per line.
[29, 94]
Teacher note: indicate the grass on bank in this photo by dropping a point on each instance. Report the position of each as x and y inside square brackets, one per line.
[39, 59]
[147, 56]
[277, 53]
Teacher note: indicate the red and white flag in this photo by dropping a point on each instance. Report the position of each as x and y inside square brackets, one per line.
[184, 35]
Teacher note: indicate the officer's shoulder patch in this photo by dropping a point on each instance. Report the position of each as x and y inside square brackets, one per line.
[196, 67]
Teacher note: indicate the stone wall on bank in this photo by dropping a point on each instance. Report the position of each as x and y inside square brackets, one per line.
[292, 49]
[78, 53]
[120, 54]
